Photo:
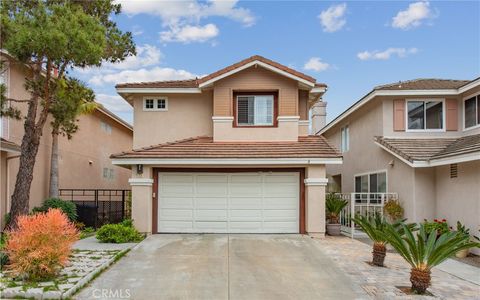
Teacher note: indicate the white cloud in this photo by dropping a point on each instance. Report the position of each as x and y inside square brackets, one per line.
[316, 64]
[415, 14]
[114, 103]
[147, 55]
[189, 33]
[153, 74]
[386, 54]
[177, 12]
[333, 19]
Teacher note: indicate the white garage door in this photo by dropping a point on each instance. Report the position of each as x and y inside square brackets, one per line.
[266, 202]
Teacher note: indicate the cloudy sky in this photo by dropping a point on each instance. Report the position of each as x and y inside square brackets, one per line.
[351, 46]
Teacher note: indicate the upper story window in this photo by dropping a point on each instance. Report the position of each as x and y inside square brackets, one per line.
[426, 115]
[106, 127]
[255, 110]
[4, 81]
[155, 104]
[345, 139]
[472, 112]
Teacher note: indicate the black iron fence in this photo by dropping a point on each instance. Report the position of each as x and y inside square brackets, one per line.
[96, 207]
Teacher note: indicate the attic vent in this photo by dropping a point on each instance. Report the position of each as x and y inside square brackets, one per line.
[453, 170]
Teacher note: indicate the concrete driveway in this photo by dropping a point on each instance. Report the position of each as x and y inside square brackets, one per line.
[221, 266]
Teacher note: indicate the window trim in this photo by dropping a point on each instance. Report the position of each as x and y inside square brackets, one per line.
[4, 120]
[444, 115]
[254, 93]
[464, 99]
[155, 103]
[368, 175]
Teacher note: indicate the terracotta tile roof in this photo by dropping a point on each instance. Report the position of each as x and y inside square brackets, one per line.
[189, 83]
[193, 83]
[204, 147]
[424, 84]
[8, 145]
[429, 149]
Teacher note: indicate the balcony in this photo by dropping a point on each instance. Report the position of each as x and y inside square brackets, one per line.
[362, 204]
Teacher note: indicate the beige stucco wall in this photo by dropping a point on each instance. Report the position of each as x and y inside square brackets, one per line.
[458, 199]
[142, 201]
[256, 79]
[90, 143]
[315, 201]
[287, 130]
[188, 115]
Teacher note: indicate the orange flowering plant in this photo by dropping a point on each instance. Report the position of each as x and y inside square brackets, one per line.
[40, 245]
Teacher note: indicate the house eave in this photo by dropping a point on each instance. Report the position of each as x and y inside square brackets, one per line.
[226, 161]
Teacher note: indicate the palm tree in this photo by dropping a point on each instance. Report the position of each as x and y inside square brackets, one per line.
[334, 205]
[425, 251]
[374, 227]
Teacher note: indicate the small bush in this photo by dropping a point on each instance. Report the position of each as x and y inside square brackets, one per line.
[67, 207]
[87, 232]
[118, 233]
[393, 209]
[127, 222]
[441, 226]
[40, 245]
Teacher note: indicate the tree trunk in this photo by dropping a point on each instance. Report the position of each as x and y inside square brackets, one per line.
[379, 252]
[54, 193]
[420, 280]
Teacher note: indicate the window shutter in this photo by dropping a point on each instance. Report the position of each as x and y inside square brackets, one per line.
[399, 115]
[451, 114]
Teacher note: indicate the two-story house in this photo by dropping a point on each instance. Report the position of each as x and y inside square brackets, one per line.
[228, 152]
[419, 139]
[84, 160]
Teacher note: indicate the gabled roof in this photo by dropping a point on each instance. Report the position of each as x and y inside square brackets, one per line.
[205, 148]
[424, 84]
[416, 87]
[217, 75]
[422, 152]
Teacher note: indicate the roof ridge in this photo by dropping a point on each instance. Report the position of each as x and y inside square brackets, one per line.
[416, 80]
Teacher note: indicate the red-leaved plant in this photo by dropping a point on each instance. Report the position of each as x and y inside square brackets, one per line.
[41, 245]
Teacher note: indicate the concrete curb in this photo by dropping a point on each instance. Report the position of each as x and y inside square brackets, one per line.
[90, 276]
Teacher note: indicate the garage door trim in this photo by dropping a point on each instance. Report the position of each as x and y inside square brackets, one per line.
[301, 172]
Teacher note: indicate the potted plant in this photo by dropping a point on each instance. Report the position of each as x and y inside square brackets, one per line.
[374, 227]
[425, 251]
[393, 210]
[334, 205]
[461, 229]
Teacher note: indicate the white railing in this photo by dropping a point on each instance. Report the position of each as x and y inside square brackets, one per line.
[362, 204]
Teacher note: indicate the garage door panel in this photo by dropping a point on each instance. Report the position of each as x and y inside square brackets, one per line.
[176, 202]
[176, 226]
[229, 202]
[245, 203]
[205, 226]
[245, 215]
[176, 214]
[211, 215]
[211, 203]
[280, 203]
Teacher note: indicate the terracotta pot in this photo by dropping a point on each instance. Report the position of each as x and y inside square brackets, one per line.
[462, 253]
[333, 229]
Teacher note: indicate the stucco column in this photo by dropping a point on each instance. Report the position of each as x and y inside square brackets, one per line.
[142, 199]
[315, 185]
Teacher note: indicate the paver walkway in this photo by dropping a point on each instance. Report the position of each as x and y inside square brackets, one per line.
[91, 243]
[380, 283]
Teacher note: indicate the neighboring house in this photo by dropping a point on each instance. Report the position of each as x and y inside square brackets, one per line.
[228, 152]
[418, 138]
[84, 161]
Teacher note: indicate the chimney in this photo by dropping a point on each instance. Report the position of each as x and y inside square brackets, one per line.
[319, 116]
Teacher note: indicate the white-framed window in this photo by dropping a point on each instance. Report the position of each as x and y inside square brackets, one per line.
[108, 173]
[425, 115]
[106, 127]
[255, 110]
[345, 139]
[155, 103]
[471, 112]
[374, 183]
[4, 79]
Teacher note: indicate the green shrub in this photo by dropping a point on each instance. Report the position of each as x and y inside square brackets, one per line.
[393, 209]
[67, 207]
[127, 222]
[441, 226]
[87, 232]
[118, 233]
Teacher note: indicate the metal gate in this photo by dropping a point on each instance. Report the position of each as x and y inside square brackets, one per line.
[96, 207]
